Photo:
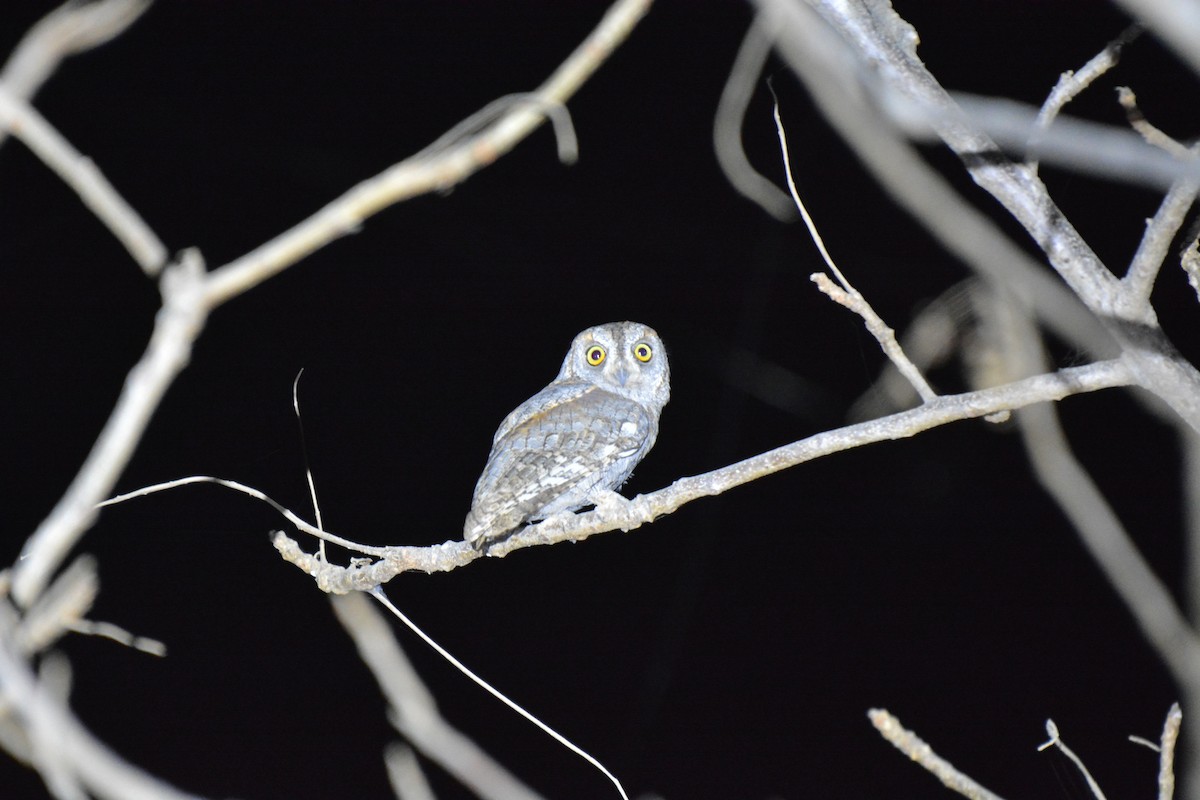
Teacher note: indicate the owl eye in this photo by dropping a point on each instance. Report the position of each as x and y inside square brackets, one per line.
[643, 352]
[595, 355]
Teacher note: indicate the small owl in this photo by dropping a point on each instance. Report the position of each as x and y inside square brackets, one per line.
[578, 438]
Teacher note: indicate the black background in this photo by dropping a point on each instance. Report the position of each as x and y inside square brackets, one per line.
[729, 650]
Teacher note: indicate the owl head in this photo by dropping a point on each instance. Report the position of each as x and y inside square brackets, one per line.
[625, 358]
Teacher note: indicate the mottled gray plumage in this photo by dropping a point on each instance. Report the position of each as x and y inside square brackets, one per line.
[579, 437]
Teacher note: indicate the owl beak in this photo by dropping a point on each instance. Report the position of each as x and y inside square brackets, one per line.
[622, 376]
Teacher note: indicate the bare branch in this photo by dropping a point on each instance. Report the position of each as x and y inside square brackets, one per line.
[645, 508]
[175, 329]
[1190, 260]
[1056, 741]
[426, 173]
[78, 172]
[912, 746]
[873, 34]
[1166, 762]
[1172, 213]
[405, 775]
[414, 712]
[290, 516]
[69, 29]
[1071, 84]
[1152, 251]
[848, 296]
[63, 605]
[1068, 483]
[1177, 24]
[64, 751]
[727, 126]
[827, 70]
[1149, 132]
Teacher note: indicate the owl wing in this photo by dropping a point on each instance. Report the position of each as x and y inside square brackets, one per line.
[553, 451]
[554, 395]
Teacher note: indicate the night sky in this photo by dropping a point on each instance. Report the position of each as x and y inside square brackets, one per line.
[730, 650]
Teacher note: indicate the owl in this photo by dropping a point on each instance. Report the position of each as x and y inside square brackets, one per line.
[578, 438]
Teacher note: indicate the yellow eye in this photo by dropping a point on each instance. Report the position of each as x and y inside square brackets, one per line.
[643, 352]
[595, 355]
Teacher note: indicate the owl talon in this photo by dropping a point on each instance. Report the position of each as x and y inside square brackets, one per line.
[609, 503]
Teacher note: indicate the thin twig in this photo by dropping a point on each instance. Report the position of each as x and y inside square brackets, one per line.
[876, 36]
[1071, 84]
[414, 712]
[912, 746]
[1056, 741]
[23, 121]
[378, 594]
[965, 232]
[1148, 131]
[1172, 212]
[1154, 247]
[290, 516]
[848, 296]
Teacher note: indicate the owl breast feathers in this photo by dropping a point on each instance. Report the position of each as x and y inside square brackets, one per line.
[581, 435]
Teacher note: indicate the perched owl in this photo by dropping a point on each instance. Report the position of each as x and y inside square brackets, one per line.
[580, 436]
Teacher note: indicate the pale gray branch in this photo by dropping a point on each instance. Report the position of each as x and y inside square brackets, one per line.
[827, 70]
[428, 172]
[64, 750]
[176, 327]
[1176, 22]
[847, 295]
[1090, 148]
[648, 507]
[1166, 758]
[1172, 213]
[873, 34]
[71, 28]
[23, 121]
[414, 712]
[912, 746]
[1071, 84]
[727, 126]
[405, 775]
[1056, 741]
[1152, 251]
[1148, 131]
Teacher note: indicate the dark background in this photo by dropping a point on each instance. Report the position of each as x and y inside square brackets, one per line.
[729, 650]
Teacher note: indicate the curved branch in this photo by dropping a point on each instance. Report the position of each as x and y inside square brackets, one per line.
[648, 507]
[429, 172]
[873, 34]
